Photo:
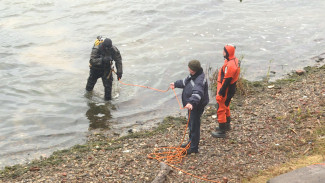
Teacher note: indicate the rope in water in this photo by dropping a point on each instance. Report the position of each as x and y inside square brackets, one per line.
[171, 155]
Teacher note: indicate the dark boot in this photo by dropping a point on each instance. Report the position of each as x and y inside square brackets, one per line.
[228, 126]
[190, 151]
[222, 131]
[185, 144]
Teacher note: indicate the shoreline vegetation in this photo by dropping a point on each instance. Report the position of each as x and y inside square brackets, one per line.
[276, 127]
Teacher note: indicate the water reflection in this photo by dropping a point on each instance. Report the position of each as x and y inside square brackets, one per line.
[99, 115]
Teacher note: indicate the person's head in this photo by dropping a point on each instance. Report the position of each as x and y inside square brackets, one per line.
[107, 44]
[194, 66]
[229, 51]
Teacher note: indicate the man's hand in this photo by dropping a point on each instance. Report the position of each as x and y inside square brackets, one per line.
[172, 86]
[189, 106]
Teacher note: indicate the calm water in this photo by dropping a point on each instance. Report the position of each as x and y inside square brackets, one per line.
[45, 47]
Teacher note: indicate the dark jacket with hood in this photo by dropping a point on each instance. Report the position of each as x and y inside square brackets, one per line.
[195, 90]
[102, 55]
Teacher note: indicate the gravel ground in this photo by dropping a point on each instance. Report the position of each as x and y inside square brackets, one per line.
[273, 124]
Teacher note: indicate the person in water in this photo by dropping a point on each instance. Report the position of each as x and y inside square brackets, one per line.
[101, 61]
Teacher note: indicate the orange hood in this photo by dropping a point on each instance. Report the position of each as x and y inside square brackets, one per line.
[230, 51]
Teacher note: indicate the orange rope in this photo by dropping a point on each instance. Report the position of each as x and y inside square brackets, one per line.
[143, 86]
[171, 155]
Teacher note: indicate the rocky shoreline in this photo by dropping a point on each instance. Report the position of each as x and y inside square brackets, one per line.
[273, 124]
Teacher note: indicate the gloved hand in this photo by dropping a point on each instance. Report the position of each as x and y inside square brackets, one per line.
[219, 98]
[119, 76]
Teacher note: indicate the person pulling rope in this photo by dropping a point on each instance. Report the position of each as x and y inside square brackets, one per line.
[196, 87]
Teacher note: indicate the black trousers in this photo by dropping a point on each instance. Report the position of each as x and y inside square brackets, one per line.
[194, 126]
[94, 75]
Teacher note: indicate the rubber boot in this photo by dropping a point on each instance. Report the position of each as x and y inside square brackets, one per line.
[222, 131]
[190, 151]
[184, 145]
[228, 126]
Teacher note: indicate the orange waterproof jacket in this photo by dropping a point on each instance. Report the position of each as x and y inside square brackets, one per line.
[228, 74]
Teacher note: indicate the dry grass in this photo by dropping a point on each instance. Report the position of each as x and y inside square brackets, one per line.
[317, 156]
[243, 86]
[287, 167]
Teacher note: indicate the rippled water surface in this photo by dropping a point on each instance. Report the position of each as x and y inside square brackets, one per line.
[45, 47]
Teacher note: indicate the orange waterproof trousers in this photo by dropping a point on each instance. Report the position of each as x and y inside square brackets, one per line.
[223, 111]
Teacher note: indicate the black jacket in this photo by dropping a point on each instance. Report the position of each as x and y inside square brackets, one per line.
[98, 54]
[195, 90]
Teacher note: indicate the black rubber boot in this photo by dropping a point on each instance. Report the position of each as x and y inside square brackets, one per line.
[228, 126]
[190, 151]
[185, 144]
[222, 131]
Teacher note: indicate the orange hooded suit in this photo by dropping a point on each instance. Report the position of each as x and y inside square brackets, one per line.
[226, 86]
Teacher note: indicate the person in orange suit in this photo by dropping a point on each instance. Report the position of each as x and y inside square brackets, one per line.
[226, 87]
